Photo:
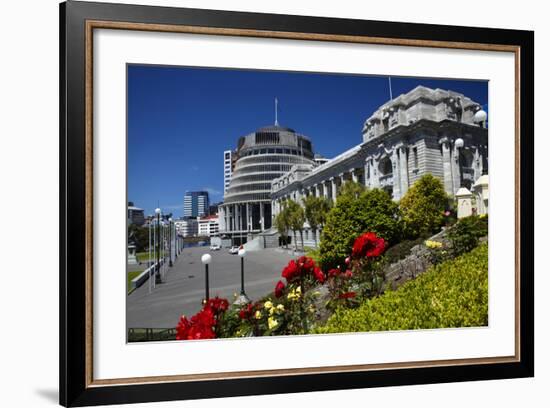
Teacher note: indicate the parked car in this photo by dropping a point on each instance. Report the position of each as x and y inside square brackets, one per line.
[234, 250]
[215, 247]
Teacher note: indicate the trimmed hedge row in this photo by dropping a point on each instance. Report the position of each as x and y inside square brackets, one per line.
[451, 294]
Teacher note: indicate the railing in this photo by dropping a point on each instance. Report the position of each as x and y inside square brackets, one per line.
[149, 334]
[143, 276]
[386, 180]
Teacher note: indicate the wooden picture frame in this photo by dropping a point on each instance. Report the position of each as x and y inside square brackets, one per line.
[78, 20]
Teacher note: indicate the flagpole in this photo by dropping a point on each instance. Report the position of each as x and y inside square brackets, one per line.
[276, 113]
[391, 95]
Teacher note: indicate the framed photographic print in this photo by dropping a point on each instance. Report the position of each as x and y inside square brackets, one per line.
[255, 204]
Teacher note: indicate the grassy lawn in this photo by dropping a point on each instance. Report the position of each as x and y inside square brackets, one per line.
[132, 275]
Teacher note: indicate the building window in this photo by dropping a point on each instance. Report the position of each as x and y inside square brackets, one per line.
[415, 157]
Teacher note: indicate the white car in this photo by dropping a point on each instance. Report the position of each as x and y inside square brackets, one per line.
[215, 247]
[234, 250]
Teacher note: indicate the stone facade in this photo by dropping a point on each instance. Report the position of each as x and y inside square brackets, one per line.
[424, 131]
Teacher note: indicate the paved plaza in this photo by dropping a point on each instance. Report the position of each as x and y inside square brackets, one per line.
[184, 286]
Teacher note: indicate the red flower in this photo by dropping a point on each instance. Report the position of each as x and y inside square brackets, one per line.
[201, 332]
[290, 271]
[368, 245]
[301, 267]
[346, 295]
[218, 304]
[333, 273]
[348, 274]
[279, 288]
[182, 329]
[246, 312]
[319, 275]
[203, 324]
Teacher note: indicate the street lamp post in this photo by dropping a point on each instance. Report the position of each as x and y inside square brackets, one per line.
[206, 259]
[459, 144]
[157, 267]
[149, 279]
[242, 299]
[170, 241]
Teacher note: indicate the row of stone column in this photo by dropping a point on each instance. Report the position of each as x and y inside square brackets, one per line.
[235, 216]
[328, 188]
[452, 169]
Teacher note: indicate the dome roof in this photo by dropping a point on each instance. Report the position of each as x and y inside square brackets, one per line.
[275, 128]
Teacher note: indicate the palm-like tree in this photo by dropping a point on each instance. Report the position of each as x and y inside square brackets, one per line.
[316, 209]
[297, 219]
[282, 223]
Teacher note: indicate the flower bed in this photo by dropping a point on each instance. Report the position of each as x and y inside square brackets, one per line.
[451, 294]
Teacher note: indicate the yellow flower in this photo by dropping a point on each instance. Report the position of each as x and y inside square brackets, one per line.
[281, 307]
[433, 244]
[258, 315]
[272, 323]
[311, 308]
[268, 305]
[295, 294]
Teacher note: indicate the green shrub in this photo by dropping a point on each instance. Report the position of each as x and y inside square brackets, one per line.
[465, 234]
[313, 253]
[423, 206]
[401, 250]
[357, 211]
[451, 294]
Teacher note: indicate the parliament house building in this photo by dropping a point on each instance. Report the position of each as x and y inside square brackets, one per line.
[434, 131]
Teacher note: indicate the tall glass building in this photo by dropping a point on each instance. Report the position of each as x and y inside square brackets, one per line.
[262, 156]
[195, 204]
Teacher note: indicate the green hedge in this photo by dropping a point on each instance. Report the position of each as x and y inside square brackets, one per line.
[357, 211]
[451, 294]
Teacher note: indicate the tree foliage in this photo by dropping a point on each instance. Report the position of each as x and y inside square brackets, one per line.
[282, 223]
[465, 234]
[357, 210]
[296, 218]
[423, 206]
[316, 210]
[139, 236]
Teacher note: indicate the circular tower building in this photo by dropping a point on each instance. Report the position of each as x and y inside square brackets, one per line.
[262, 156]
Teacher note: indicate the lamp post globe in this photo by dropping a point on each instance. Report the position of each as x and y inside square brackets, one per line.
[206, 259]
[480, 117]
[459, 143]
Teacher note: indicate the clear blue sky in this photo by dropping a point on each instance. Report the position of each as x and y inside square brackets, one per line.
[180, 120]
